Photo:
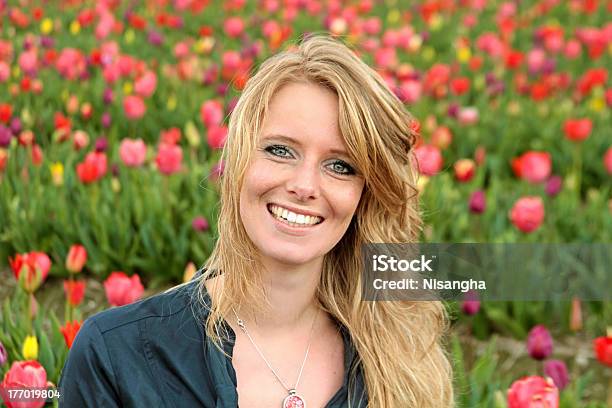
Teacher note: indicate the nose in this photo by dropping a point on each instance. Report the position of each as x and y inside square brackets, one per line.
[304, 183]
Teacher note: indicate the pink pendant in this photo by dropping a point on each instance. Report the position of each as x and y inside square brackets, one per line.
[293, 400]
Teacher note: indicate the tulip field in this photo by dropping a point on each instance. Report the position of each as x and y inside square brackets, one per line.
[113, 116]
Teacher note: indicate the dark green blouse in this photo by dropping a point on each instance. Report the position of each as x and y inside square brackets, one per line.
[154, 353]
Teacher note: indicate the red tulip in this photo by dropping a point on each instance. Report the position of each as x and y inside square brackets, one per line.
[75, 291]
[603, 350]
[464, 169]
[93, 168]
[429, 159]
[170, 136]
[608, 160]
[121, 289]
[577, 130]
[23, 375]
[533, 392]
[539, 342]
[134, 107]
[77, 256]
[532, 166]
[69, 331]
[459, 86]
[30, 269]
[527, 213]
[169, 158]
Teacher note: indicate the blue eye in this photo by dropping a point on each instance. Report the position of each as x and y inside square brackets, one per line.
[277, 150]
[341, 167]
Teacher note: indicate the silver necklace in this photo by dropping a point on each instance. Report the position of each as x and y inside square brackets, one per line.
[293, 400]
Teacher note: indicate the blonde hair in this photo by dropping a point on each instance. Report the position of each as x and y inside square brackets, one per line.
[398, 342]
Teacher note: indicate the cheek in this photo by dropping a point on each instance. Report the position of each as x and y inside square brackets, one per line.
[347, 201]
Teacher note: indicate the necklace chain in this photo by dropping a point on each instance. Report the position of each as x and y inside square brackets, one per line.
[242, 326]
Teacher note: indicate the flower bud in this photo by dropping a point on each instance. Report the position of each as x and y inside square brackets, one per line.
[557, 370]
[539, 342]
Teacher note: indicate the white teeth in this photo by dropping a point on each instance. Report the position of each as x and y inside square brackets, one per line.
[293, 218]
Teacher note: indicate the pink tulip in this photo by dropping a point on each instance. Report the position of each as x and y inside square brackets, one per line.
[5, 71]
[134, 107]
[429, 159]
[211, 113]
[608, 160]
[169, 158]
[464, 170]
[231, 60]
[77, 256]
[216, 137]
[572, 49]
[533, 392]
[536, 58]
[121, 289]
[470, 305]
[533, 166]
[527, 213]
[410, 91]
[372, 25]
[181, 49]
[105, 25]
[146, 84]
[70, 63]
[468, 115]
[132, 152]
[23, 375]
[28, 60]
[233, 27]
[539, 342]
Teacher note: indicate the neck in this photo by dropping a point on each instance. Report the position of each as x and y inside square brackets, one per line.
[291, 291]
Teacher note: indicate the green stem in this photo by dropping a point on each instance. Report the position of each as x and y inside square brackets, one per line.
[578, 169]
[29, 312]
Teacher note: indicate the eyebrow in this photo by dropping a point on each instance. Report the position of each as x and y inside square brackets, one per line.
[288, 139]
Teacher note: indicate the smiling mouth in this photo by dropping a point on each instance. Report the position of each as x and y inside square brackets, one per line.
[293, 219]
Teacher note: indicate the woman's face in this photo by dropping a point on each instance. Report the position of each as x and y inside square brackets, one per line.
[301, 189]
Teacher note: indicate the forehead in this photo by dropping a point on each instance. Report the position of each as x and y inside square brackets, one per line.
[304, 111]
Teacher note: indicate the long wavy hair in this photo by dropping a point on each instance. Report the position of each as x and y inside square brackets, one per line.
[398, 342]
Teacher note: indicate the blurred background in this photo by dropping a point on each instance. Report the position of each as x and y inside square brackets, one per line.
[113, 115]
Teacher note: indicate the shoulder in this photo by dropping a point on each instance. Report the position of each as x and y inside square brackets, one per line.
[161, 305]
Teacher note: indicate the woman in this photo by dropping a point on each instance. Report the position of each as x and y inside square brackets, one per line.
[317, 163]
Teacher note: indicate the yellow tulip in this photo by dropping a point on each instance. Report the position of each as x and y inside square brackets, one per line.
[30, 348]
[75, 27]
[57, 173]
[46, 26]
[464, 54]
[127, 88]
[171, 104]
[436, 22]
[129, 36]
[597, 104]
[393, 16]
[16, 72]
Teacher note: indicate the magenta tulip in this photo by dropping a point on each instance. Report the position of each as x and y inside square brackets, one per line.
[539, 342]
[557, 370]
